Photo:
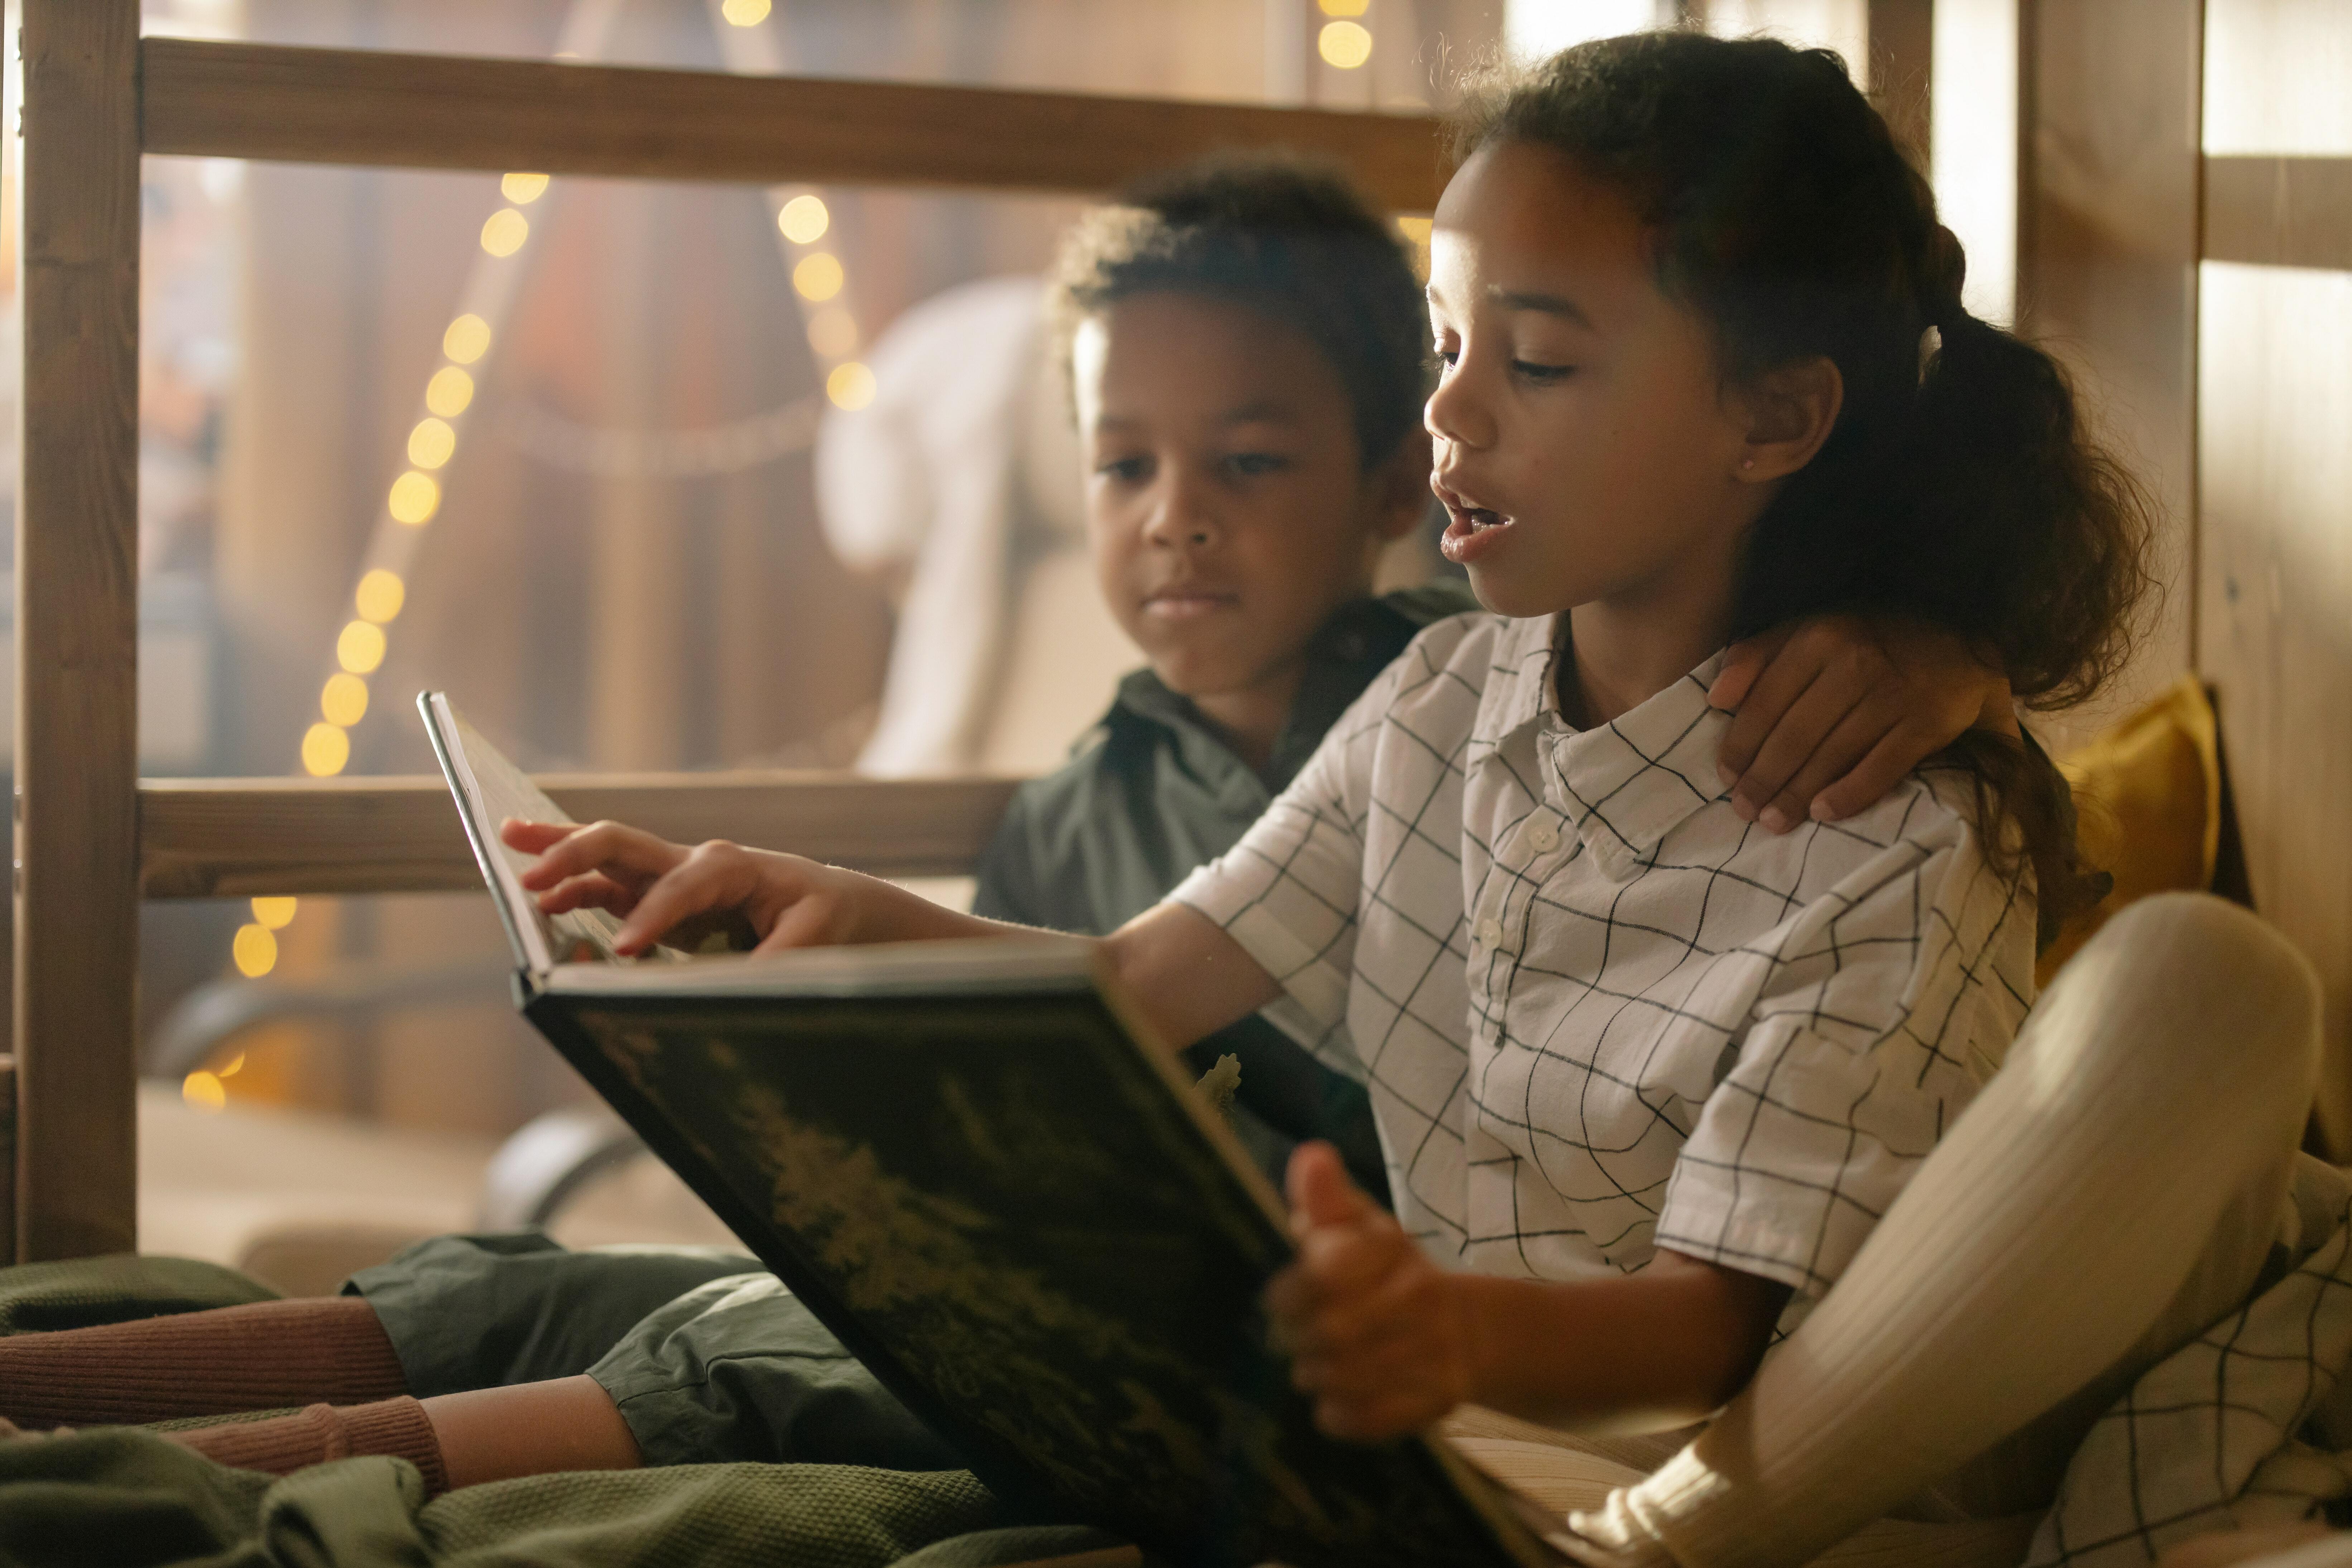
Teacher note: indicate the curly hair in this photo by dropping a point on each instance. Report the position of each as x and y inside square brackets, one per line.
[1288, 237]
[1958, 484]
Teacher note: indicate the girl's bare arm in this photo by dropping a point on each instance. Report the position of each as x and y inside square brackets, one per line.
[1188, 977]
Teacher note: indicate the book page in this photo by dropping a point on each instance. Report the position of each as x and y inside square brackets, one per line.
[506, 790]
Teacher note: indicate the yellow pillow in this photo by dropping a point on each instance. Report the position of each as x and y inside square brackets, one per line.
[2147, 803]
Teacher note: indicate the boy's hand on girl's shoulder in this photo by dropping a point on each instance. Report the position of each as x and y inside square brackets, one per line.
[1377, 1334]
[1834, 712]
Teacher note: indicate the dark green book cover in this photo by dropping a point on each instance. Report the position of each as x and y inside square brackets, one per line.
[1025, 1222]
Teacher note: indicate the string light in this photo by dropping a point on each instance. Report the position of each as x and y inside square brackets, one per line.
[1343, 44]
[236, 1065]
[413, 499]
[850, 386]
[468, 339]
[522, 190]
[325, 750]
[818, 276]
[380, 595]
[271, 914]
[803, 219]
[833, 333]
[255, 950]
[451, 391]
[343, 701]
[203, 1090]
[360, 649]
[504, 233]
[745, 13]
[1345, 7]
[431, 443]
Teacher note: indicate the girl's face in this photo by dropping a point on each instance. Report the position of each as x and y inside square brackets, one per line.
[1586, 450]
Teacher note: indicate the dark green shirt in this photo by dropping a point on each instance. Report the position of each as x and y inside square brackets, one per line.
[1151, 792]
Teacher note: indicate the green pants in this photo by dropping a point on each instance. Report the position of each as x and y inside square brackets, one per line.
[709, 1358]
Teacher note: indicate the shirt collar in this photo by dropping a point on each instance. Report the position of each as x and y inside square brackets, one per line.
[1628, 783]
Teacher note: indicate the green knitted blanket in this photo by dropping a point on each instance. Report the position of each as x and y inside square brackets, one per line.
[127, 1498]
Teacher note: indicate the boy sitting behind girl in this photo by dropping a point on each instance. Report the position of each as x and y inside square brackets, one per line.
[1246, 340]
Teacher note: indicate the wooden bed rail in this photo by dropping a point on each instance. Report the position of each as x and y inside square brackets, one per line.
[437, 112]
[206, 838]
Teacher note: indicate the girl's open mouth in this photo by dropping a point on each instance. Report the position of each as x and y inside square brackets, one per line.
[1470, 531]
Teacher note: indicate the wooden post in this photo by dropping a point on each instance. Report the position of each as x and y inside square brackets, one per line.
[77, 885]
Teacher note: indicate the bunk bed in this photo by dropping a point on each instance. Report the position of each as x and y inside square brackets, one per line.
[2111, 263]
[93, 839]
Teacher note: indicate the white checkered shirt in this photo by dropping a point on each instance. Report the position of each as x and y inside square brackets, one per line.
[1599, 1014]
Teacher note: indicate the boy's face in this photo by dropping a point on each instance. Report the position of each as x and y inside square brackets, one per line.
[1585, 447]
[1229, 512]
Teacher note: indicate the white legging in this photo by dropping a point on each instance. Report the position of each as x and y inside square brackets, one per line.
[2113, 1191]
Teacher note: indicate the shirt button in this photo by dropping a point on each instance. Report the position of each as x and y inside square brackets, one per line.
[1543, 838]
[1488, 932]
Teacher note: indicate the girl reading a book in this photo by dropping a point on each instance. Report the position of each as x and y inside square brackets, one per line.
[1656, 1088]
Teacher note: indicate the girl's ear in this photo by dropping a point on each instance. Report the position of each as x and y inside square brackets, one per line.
[1791, 411]
[1397, 489]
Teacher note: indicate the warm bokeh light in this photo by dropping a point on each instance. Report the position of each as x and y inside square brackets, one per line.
[413, 499]
[745, 13]
[522, 190]
[236, 1065]
[833, 333]
[1414, 229]
[360, 648]
[506, 229]
[850, 386]
[201, 1090]
[276, 914]
[1346, 45]
[325, 750]
[467, 338]
[1345, 7]
[818, 276]
[449, 392]
[431, 444]
[344, 700]
[381, 594]
[803, 219]
[254, 951]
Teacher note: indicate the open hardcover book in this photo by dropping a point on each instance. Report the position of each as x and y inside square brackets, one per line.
[971, 1164]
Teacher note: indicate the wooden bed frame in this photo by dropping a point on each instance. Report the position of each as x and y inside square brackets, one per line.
[92, 840]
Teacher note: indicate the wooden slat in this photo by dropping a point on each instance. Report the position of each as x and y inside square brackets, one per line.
[433, 112]
[2107, 272]
[77, 620]
[7, 1157]
[2279, 212]
[214, 838]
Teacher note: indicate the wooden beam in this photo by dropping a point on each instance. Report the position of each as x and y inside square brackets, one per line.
[7, 1157]
[2279, 212]
[434, 112]
[77, 622]
[218, 838]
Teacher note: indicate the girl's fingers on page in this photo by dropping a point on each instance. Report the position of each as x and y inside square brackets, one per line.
[534, 838]
[593, 890]
[696, 885]
[615, 848]
[806, 921]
